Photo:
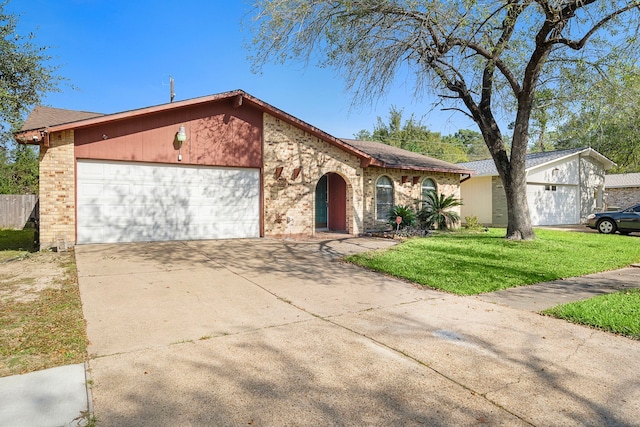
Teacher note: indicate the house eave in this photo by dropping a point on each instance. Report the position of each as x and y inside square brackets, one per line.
[237, 98]
[424, 169]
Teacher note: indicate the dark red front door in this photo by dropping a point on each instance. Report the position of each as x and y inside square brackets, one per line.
[337, 203]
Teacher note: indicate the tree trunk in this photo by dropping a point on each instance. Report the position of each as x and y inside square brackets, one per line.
[515, 188]
[515, 181]
[519, 219]
[512, 171]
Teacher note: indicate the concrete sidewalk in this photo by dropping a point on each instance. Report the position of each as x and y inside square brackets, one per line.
[265, 332]
[47, 398]
[545, 295]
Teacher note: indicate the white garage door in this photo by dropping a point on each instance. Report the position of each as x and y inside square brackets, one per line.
[553, 204]
[140, 202]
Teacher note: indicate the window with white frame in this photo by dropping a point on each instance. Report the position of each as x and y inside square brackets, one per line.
[384, 198]
[427, 185]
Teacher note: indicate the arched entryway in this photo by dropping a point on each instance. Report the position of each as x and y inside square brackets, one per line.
[331, 203]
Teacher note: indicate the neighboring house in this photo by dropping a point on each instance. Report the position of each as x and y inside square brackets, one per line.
[221, 166]
[563, 187]
[622, 190]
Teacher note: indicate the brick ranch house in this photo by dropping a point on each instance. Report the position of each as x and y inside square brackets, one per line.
[220, 166]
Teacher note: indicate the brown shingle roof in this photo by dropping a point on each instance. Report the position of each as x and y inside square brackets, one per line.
[42, 117]
[370, 153]
[397, 158]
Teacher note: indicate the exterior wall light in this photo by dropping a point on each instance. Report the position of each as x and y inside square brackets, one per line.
[181, 136]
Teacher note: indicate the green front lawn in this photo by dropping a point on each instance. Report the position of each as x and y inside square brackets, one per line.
[473, 263]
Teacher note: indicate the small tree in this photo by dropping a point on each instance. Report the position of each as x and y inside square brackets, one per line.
[26, 75]
[436, 210]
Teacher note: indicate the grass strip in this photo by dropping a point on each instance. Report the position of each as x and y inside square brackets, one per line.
[618, 312]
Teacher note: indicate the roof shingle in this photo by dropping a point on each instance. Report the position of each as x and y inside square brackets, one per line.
[398, 158]
[488, 167]
[42, 117]
[622, 180]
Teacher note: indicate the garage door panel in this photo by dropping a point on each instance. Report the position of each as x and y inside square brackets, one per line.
[95, 234]
[91, 188]
[128, 202]
[553, 206]
[115, 171]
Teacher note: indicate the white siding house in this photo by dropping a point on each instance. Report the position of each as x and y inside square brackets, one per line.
[563, 187]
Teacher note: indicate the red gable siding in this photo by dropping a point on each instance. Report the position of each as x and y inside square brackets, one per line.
[217, 135]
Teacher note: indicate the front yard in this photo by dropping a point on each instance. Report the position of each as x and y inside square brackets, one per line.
[41, 320]
[473, 263]
[42, 325]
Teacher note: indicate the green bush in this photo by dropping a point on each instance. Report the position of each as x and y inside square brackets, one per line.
[406, 213]
[471, 223]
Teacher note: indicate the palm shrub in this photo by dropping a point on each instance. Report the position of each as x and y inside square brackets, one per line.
[405, 212]
[436, 210]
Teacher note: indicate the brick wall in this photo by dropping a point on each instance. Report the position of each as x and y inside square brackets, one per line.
[289, 203]
[404, 193]
[622, 197]
[57, 191]
[499, 202]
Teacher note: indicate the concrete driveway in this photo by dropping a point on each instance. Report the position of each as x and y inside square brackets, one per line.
[269, 332]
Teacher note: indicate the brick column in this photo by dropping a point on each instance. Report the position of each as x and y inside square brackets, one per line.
[57, 191]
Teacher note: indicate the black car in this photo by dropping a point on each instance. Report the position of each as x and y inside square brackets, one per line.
[625, 221]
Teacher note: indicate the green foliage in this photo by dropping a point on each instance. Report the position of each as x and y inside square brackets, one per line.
[25, 73]
[473, 263]
[406, 213]
[436, 211]
[472, 143]
[19, 171]
[16, 243]
[471, 223]
[606, 121]
[413, 135]
[618, 312]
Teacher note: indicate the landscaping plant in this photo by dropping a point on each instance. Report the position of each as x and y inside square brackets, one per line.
[406, 213]
[436, 210]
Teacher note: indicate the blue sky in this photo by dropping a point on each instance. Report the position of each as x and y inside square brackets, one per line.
[118, 55]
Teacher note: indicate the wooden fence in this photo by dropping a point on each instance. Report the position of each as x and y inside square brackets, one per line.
[17, 210]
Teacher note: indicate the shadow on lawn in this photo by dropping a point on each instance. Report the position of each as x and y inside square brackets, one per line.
[17, 240]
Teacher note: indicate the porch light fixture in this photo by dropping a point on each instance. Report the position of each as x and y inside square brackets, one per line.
[181, 136]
